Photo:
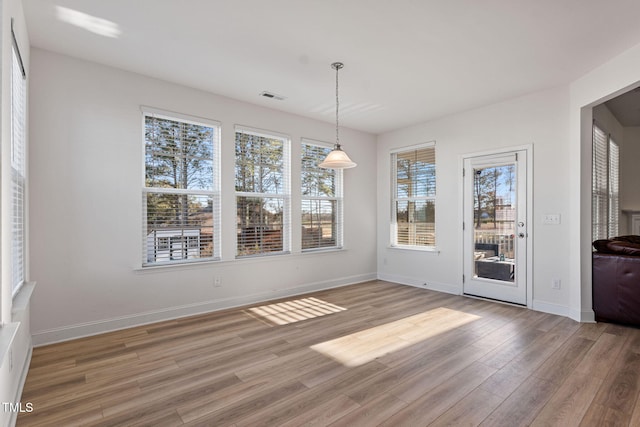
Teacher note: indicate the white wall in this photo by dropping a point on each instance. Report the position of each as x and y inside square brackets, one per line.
[86, 175]
[612, 78]
[630, 175]
[540, 119]
[608, 122]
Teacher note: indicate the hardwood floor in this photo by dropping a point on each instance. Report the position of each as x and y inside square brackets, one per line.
[364, 355]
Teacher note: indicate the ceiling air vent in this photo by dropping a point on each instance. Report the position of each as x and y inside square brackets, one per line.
[272, 95]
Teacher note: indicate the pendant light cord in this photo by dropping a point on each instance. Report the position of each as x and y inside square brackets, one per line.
[336, 158]
[337, 66]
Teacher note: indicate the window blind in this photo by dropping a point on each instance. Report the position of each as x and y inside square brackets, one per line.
[599, 184]
[321, 213]
[604, 185]
[262, 183]
[414, 192]
[614, 183]
[18, 171]
[181, 192]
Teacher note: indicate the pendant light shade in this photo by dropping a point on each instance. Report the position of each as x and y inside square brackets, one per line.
[337, 158]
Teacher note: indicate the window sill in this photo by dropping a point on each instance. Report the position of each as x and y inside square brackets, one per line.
[243, 260]
[430, 249]
[322, 250]
[177, 266]
[262, 255]
[22, 298]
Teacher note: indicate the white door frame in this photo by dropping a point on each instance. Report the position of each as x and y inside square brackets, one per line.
[529, 198]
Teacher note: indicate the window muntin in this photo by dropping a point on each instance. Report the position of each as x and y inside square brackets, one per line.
[181, 193]
[321, 199]
[414, 196]
[262, 192]
[18, 171]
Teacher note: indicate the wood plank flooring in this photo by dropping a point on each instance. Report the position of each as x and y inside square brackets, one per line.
[370, 354]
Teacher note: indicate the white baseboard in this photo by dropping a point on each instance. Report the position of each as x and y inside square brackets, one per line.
[547, 307]
[588, 316]
[584, 316]
[421, 283]
[71, 332]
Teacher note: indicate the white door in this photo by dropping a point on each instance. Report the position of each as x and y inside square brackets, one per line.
[495, 226]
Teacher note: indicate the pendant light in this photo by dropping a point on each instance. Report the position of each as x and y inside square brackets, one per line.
[337, 159]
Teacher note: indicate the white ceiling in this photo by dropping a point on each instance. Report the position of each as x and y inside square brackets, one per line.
[406, 61]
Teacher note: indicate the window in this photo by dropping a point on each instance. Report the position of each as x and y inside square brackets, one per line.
[321, 199]
[181, 193]
[18, 170]
[413, 196]
[262, 192]
[605, 185]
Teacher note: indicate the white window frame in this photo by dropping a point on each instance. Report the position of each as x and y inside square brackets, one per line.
[214, 193]
[18, 169]
[337, 198]
[285, 196]
[395, 199]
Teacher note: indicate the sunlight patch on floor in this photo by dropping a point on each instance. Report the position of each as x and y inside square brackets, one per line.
[364, 346]
[286, 312]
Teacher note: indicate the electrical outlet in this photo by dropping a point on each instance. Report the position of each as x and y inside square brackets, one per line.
[551, 219]
[217, 282]
[555, 283]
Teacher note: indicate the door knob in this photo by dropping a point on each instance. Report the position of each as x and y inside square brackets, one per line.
[521, 235]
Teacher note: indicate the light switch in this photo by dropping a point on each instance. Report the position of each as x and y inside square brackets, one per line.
[551, 219]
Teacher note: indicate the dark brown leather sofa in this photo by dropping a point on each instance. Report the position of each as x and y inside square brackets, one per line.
[616, 280]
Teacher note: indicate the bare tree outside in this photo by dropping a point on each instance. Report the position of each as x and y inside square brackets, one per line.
[178, 170]
[494, 208]
[260, 184]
